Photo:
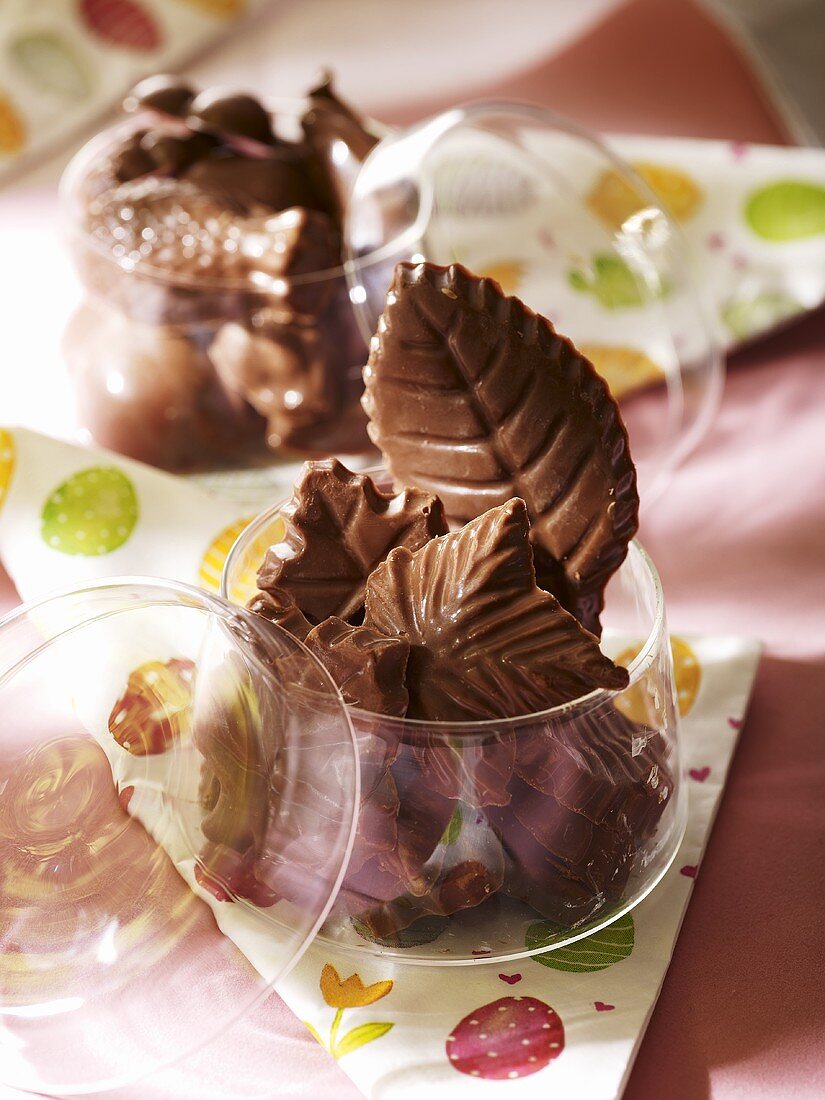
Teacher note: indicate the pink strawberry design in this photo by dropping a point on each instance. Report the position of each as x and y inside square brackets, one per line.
[735, 723]
[509, 1038]
[689, 870]
[121, 22]
[602, 1006]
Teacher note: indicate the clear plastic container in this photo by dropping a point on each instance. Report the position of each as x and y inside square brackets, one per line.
[521, 194]
[168, 770]
[498, 839]
[174, 364]
[507, 189]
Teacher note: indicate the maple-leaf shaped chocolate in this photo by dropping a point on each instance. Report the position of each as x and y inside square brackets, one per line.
[277, 606]
[473, 396]
[339, 527]
[367, 666]
[485, 641]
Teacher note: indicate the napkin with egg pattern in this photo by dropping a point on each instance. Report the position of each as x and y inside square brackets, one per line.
[563, 1023]
[65, 63]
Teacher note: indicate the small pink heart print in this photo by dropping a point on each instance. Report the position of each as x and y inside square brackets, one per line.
[511, 979]
[689, 871]
[735, 723]
[600, 1006]
[699, 774]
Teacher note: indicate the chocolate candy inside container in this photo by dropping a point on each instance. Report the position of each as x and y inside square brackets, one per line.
[230, 295]
[216, 330]
[124, 920]
[500, 838]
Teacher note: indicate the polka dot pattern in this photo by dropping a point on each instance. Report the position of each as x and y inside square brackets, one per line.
[6, 463]
[787, 210]
[637, 702]
[12, 130]
[614, 200]
[91, 513]
[624, 369]
[212, 563]
[506, 1039]
[509, 274]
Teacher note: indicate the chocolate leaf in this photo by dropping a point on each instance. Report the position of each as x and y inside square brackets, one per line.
[367, 667]
[277, 606]
[377, 831]
[477, 771]
[604, 766]
[485, 641]
[475, 397]
[548, 883]
[339, 142]
[339, 527]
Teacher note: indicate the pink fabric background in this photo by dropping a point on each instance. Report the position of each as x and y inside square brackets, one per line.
[740, 543]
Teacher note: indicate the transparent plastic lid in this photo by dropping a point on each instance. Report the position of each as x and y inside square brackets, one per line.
[517, 193]
[168, 769]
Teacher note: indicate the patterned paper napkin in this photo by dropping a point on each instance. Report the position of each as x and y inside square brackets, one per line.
[753, 220]
[753, 215]
[563, 1024]
[67, 61]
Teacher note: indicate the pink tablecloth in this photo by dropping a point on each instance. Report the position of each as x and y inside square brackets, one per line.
[740, 542]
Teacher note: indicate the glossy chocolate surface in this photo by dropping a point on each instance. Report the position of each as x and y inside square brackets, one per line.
[485, 641]
[340, 526]
[473, 396]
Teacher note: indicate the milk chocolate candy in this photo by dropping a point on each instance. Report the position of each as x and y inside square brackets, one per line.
[567, 891]
[232, 113]
[275, 182]
[295, 248]
[602, 765]
[173, 153]
[340, 525]
[283, 369]
[277, 606]
[446, 858]
[339, 142]
[263, 823]
[473, 396]
[131, 161]
[170, 408]
[167, 95]
[485, 641]
[367, 667]
[377, 832]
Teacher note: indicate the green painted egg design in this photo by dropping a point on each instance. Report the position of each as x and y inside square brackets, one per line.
[596, 952]
[612, 282]
[92, 513]
[50, 62]
[747, 317]
[788, 210]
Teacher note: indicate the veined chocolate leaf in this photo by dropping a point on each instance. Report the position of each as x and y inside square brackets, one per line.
[339, 527]
[367, 667]
[473, 396]
[485, 641]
